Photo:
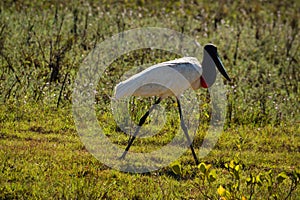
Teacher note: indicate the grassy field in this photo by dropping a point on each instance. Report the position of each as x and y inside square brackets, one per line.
[43, 43]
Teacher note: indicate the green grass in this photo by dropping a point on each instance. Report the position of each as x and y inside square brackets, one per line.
[44, 158]
[42, 44]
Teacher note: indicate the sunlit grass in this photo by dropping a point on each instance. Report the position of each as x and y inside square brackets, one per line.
[44, 163]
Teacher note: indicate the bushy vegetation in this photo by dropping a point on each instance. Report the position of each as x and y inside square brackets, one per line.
[43, 43]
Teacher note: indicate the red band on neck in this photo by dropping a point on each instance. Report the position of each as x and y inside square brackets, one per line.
[203, 83]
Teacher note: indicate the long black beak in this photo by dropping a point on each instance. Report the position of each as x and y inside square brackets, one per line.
[213, 52]
[220, 66]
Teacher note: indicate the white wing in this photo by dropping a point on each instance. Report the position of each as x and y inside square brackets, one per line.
[163, 79]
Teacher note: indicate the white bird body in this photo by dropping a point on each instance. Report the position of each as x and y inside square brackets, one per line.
[172, 78]
[158, 80]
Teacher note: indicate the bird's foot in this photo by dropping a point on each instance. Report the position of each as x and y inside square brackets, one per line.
[123, 156]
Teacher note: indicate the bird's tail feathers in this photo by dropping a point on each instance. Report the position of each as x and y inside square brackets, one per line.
[122, 90]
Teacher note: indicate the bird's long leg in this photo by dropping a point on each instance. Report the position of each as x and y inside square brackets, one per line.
[141, 122]
[184, 128]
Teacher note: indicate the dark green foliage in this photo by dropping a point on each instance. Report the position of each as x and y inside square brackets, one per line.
[43, 44]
